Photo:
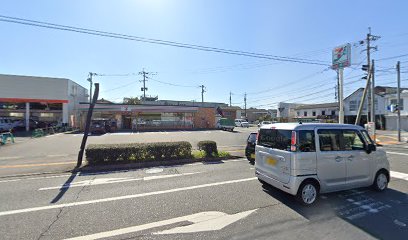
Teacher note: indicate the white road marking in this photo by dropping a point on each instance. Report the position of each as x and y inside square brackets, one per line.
[58, 155]
[399, 175]
[398, 153]
[101, 200]
[9, 158]
[100, 181]
[203, 221]
[154, 170]
[12, 180]
[235, 160]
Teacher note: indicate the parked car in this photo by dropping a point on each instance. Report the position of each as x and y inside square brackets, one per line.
[20, 124]
[103, 125]
[241, 123]
[6, 124]
[342, 157]
[225, 124]
[250, 147]
[98, 126]
[264, 123]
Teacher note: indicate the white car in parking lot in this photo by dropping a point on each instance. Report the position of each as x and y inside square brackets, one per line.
[241, 123]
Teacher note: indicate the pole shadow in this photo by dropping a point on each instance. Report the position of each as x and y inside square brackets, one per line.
[64, 188]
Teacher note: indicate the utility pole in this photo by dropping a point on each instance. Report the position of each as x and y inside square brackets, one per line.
[373, 98]
[398, 101]
[371, 101]
[202, 93]
[230, 98]
[341, 99]
[145, 76]
[363, 98]
[245, 98]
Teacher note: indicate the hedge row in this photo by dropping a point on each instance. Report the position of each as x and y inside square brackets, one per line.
[123, 153]
[209, 147]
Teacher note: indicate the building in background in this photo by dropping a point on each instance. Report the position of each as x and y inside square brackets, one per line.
[323, 112]
[254, 114]
[352, 103]
[286, 111]
[151, 117]
[391, 118]
[184, 103]
[43, 99]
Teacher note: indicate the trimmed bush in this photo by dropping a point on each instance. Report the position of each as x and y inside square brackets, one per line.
[209, 147]
[136, 152]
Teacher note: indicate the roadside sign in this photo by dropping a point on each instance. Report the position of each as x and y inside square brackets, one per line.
[341, 56]
[370, 127]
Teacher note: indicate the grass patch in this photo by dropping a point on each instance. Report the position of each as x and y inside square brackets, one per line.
[223, 154]
[200, 154]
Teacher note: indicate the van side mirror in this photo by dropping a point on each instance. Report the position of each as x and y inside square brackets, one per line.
[370, 148]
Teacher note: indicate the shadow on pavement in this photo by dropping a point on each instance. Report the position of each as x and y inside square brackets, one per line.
[382, 215]
[64, 188]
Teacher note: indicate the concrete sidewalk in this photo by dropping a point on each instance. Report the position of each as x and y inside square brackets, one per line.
[386, 137]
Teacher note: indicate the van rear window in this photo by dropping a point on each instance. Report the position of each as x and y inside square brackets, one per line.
[275, 138]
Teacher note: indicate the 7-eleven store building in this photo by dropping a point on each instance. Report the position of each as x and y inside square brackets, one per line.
[151, 117]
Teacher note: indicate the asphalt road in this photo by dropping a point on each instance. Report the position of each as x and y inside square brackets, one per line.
[58, 153]
[220, 200]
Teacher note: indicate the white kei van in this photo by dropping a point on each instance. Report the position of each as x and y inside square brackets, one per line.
[311, 158]
[241, 123]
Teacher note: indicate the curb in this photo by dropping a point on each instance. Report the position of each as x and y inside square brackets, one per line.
[140, 165]
[125, 166]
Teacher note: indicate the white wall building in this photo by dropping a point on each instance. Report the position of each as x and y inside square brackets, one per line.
[286, 111]
[318, 111]
[352, 103]
[391, 118]
[44, 98]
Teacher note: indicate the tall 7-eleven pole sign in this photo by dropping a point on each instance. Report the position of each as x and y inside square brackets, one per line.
[341, 58]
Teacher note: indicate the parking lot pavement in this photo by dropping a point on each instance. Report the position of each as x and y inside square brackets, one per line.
[220, 200]
[58, 153]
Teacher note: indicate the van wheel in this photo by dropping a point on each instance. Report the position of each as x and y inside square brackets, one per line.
[380, 181]
[307, 193]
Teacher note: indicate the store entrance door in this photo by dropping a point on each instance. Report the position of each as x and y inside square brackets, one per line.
[127, 122]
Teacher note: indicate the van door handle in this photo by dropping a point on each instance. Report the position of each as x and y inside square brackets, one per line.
[350, 158]
[338, 159]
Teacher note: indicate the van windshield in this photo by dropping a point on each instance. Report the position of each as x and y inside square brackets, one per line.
[275, 138]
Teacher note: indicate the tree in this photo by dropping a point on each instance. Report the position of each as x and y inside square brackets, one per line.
[131, 100]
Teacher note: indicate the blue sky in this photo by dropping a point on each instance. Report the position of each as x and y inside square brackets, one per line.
[305, 29]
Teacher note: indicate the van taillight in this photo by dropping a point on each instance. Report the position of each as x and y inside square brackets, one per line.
[293, 142]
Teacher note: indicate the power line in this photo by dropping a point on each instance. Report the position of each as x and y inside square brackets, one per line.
[157, 41]
[393, 57]
[171, 84]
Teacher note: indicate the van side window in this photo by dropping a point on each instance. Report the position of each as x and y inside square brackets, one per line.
[329, 139]
[307, 141]
[352, 140]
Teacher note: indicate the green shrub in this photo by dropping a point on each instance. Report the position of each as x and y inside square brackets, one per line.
[209, 147]
[136, 152]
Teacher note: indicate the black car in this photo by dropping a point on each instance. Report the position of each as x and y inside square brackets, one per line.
[250, 147]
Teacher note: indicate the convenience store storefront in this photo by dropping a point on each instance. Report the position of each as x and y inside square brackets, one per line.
[151, 117]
